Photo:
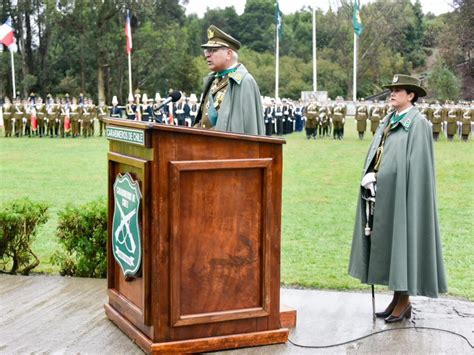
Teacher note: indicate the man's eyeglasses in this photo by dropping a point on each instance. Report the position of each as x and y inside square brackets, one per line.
[212, 50]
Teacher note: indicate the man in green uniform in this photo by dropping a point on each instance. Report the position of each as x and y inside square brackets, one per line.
[75, 114]
[452, 121]
[311, 125]
[396, 240]
[18, 114]
[439, 114]
[102, 112]
[7, 117]
[86, 117]
[361, 115]
[324, 113]
[376, 114]
[467, 119]
[231, 98]
[339, 118]
[40, 109]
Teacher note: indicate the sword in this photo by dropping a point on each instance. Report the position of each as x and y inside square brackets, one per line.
[373, 303]
[125, 222]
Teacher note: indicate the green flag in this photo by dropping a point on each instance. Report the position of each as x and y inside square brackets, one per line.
[356, 22]
[278, 20]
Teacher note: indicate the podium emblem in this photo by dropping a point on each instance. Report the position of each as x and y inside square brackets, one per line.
[126, 240]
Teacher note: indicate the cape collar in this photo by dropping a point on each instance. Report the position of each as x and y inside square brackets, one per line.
[236, 75]
[407, 120]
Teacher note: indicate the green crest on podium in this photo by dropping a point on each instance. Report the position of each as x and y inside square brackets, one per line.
[126, 240]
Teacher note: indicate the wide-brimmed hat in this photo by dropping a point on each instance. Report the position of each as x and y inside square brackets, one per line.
[217, 38]
[407, 82]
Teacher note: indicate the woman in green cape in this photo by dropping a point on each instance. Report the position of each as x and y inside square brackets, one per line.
[396, 240]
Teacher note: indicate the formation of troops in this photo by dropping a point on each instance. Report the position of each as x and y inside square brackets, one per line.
[319, 119]
[60, 117]
[73, 117]
[450, 119]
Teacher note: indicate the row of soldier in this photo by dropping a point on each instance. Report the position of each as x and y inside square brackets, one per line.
[63, 117]
[60, 117]
[284, 117]
[324, 117]
[73, 117]
[450, 118]
[143, 108]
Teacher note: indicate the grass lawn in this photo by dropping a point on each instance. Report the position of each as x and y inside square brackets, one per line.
[320, 186]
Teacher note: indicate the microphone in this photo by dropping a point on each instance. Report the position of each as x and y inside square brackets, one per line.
[174, 96]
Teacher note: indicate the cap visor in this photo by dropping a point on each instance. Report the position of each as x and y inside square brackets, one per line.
[213, 45]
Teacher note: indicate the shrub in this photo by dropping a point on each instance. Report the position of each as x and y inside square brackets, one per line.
[19, 221]
[82, 232]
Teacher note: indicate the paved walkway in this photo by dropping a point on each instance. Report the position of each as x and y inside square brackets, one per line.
[61, 315]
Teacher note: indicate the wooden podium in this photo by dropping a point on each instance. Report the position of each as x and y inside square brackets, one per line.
[210, 226]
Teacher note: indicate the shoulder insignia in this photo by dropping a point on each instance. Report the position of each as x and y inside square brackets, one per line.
[236, 76]
[407, 123]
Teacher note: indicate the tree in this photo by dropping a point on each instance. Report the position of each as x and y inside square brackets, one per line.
[257, 25]
[443, 83]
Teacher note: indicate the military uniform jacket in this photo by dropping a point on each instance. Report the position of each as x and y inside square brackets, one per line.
[361, 117]
[86, 113]
[452, 121]
[467, 118]
[438, 117]
[311, 116]
[18, 111]
[40, 111]
[339, 115]
[7, 112]
[102, 112]
[241, 110]
[404, 250]
[269, 114]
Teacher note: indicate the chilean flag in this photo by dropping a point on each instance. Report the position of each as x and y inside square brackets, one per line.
[128, 33]
[6, 33]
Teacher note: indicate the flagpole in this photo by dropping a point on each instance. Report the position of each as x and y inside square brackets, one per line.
[354, 87]
[130, 74]
[277, 62]
[315, 76]
[13, 74]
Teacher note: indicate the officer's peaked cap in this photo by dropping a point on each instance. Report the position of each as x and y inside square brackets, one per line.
[217, 38]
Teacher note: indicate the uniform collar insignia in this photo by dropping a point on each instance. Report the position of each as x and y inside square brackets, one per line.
[237, 75]
[406, 122]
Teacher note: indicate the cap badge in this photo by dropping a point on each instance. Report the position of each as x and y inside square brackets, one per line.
[210, 34]
[395, 79]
